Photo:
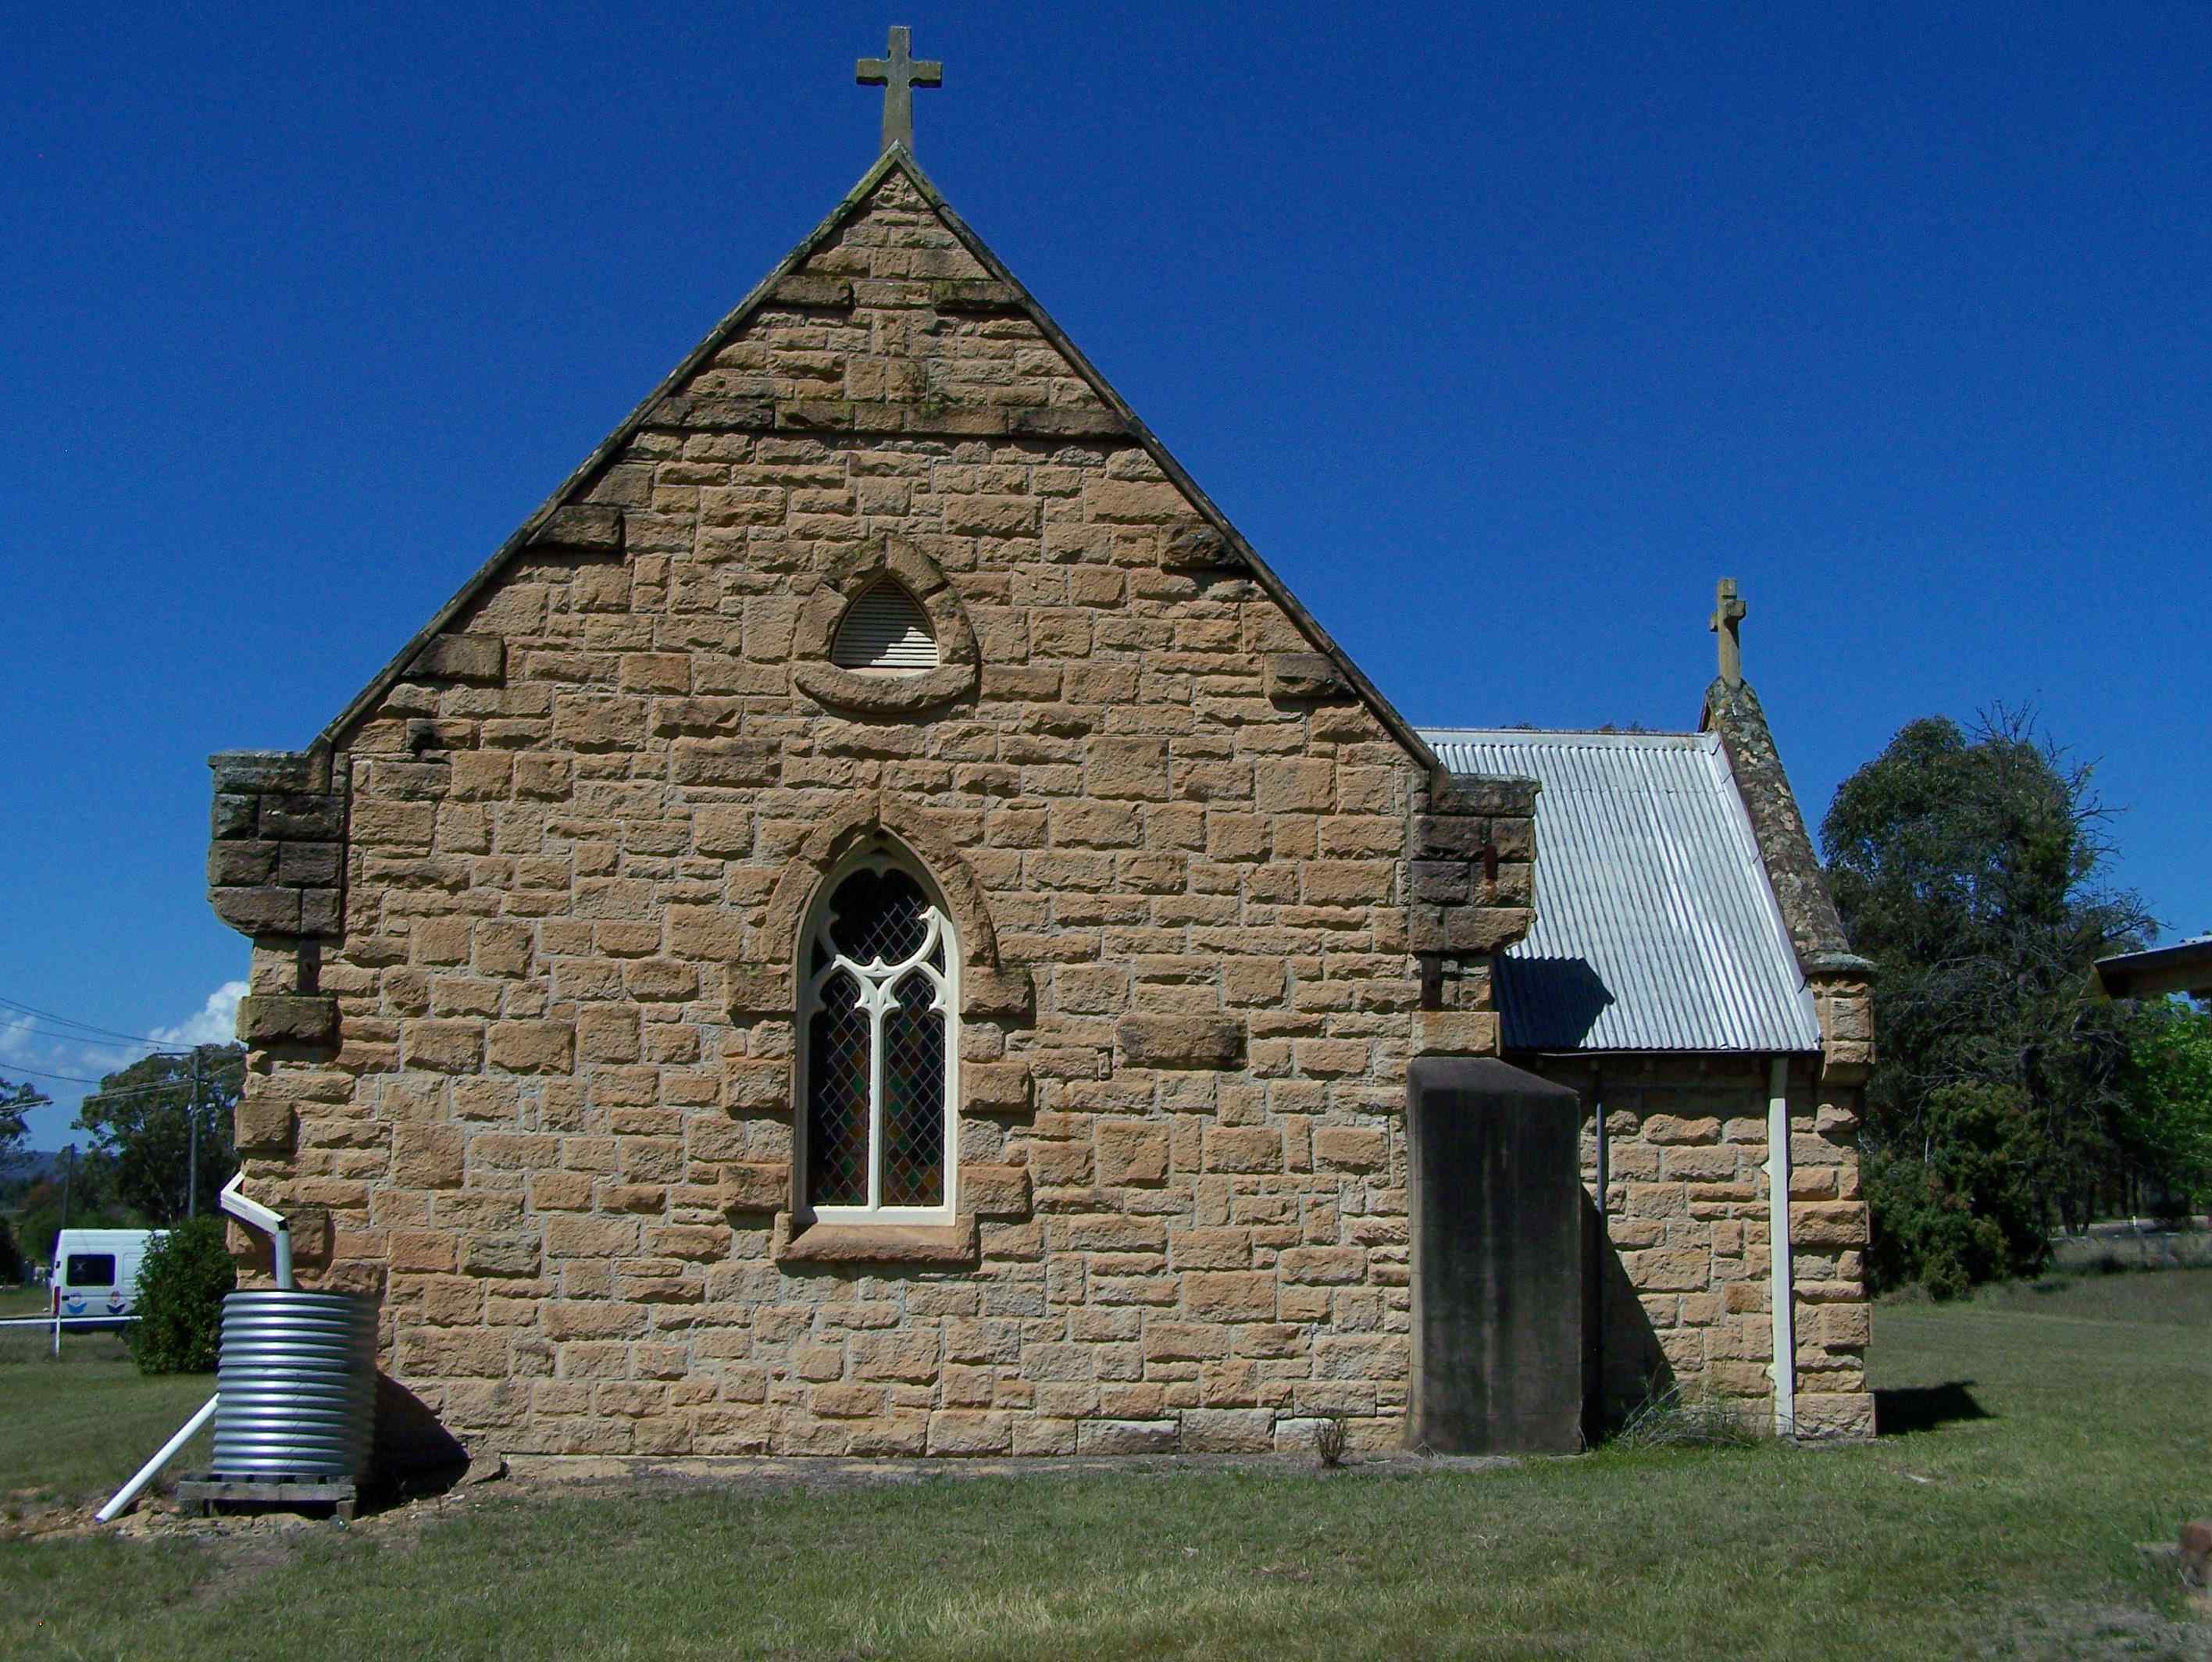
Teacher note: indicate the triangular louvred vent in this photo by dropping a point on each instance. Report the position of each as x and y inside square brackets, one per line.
[884, 630]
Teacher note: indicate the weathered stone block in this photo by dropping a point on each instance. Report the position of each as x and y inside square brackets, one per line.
[443, 1046]
[429, 1156]
[262, 1126]
[1199, 548]
[256, 771]
[1304, 678]
[1482, 931]
[954, 1245]
[753, 1186]
[1828, 1224]
[726, 760]
[1351, 1149]
[1455, 1033]
[1839, 1416]
[1127, 1437]
[286, 1019]
[472, 658]
[1228, 1430]
[599, 530]
[970, 1431]
[756, 989]
[234, 815]
[240, 863]
[994, 1191]
[309, 864]
[1464, 794]
[801, 289]
[259, 911]
[995, 1088]
[304, 816]
[1132, 1153]
[973, 295]
[1128, 767]
[1214, 1042]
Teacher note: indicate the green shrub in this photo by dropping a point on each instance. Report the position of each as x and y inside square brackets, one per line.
[180, 1290]
[1971, 1210]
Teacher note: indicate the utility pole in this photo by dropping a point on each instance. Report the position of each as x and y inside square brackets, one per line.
[69, 1171]
[193, 1142]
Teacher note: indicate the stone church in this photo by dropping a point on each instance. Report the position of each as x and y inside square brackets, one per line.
[876, 924]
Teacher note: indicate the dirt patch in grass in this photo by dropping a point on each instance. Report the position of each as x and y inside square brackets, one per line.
[2050, 1633]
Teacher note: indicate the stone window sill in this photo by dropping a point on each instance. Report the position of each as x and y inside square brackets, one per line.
[882, 694]
[798, 1241]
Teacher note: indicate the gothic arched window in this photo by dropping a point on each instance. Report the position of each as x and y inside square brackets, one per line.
[879, 1047]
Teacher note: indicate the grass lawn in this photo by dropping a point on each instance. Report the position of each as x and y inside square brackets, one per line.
[25, 1301]
[75, 1428]
[2052, 1430]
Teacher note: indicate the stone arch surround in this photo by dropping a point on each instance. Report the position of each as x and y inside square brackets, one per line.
[769, 985]
[849, 577]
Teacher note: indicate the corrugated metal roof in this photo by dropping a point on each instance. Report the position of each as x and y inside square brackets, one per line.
[1656, 929]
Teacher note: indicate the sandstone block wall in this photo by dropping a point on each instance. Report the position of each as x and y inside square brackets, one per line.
[555, 1129]
[522, 1063]
[1684, 1288]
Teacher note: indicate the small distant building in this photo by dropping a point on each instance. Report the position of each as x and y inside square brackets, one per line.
[876, 924]
[2185, 967]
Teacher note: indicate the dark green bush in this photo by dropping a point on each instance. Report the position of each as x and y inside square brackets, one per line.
[1971, 1210]
[181, 1291]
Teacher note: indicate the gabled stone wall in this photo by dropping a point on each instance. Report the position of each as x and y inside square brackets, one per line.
[553, 1129]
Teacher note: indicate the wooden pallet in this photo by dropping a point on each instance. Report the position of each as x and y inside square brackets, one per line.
[201, 1493]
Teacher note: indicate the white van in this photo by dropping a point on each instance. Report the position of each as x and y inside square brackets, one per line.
[96, 1270]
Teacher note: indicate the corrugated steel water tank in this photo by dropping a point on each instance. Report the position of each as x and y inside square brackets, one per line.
[297, 1385]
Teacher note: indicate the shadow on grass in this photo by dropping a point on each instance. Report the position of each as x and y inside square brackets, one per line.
[1923, 1407]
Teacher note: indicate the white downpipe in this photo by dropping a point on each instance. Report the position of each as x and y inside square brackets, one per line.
[273, 1224]
[1781, 1291]
[261, 1217]
[148, 1472]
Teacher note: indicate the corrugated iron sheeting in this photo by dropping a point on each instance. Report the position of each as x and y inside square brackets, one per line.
[1656, 927]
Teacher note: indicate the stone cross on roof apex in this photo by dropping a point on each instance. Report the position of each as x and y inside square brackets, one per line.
[1727, 621]
[898, 73]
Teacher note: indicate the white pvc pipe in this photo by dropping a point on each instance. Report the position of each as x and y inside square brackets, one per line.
[147, 1473]
[1781, 1296]
[261, 1217]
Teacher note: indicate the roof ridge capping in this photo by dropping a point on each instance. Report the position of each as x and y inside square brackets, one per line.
[1507, 736]
[551, 514]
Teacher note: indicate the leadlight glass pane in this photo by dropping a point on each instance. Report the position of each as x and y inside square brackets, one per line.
[913, 1097]
[878, 914]
[837, 1097]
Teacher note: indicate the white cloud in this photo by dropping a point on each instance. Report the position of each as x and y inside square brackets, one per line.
[215, 1022]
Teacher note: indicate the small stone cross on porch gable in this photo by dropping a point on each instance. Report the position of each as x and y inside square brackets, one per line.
[1727, 621]
[898, 74]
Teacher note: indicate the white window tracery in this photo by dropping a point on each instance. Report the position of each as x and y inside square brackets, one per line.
[879, 1049]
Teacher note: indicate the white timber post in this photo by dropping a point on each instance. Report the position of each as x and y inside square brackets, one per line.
[1781, 1295]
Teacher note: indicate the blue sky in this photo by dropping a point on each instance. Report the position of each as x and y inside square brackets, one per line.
[1501, 334]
